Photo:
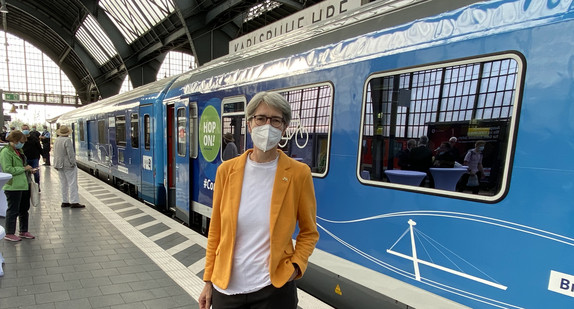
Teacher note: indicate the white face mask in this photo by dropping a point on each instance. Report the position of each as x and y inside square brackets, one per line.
[266, 137]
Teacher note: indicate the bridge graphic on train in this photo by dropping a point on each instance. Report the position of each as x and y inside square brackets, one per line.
[416, 260]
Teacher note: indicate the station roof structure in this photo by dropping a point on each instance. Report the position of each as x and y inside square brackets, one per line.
[98, 42]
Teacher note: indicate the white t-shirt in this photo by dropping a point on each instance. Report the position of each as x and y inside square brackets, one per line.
[473, 158]
[250, 270]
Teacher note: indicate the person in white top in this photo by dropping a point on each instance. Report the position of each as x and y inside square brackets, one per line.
[65, 164]
[258, 200]
[473, 159]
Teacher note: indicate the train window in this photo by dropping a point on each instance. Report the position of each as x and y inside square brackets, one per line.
[81, 130]
[427, 127]
[181, 132]
[307, 137]
[193, 130]
[233, 122]
[134, 133]
[147, 132]
[102, 136]
[121, 130]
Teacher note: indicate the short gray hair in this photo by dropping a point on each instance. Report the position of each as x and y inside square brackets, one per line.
[274, 100]
[423, 140]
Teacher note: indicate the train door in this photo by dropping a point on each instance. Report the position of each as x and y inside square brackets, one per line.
[170, 158]
[134, 156]
[181, 159]
[148, 171]
[197, 219]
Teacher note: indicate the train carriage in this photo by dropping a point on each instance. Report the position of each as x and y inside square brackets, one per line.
[499, 72]
[117, 140]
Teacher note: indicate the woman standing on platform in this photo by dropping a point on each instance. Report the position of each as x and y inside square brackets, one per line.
[32, 149]
[17, 190]
[259, 199]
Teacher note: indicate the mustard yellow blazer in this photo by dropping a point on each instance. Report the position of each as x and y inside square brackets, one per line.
[292, 201]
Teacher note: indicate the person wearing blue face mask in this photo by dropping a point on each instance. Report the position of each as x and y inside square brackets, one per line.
[259, 199]
[17, 190]
[32, 149]
[473, 160]
[45, 139]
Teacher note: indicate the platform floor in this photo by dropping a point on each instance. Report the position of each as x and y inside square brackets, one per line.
[115, 253]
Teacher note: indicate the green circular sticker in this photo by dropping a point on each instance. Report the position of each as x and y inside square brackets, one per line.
[209, 133]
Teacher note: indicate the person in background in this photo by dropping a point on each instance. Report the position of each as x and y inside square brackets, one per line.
[45, 139]
[3, 135]
[17, 189]
[230, 150]
[444, 157]
[473, 160]
[65, 164]
[420, 159]
[421, 156]
[260, 198]
[404, 155]
[32, 149]
[35, 133]
[453, 150]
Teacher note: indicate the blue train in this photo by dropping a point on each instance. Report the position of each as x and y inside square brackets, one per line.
[361, 86]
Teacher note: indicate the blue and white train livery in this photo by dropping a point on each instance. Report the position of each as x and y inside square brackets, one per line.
[361, 86]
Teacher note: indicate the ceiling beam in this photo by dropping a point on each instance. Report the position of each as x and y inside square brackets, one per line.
[220, 9]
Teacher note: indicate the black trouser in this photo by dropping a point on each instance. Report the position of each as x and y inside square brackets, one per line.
[268, 297]
[18, 206]
[46, 153]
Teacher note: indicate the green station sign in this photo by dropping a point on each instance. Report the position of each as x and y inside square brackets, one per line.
[11, 96]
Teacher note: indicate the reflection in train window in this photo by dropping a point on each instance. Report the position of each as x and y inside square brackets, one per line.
[193, 130]
[81, 130]
[121, 130]
[102, 134]
[472, 100]
[147, 132]
[134, 133]
[307, 137]
[233, 121]
[121, 156]
[181, 132]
